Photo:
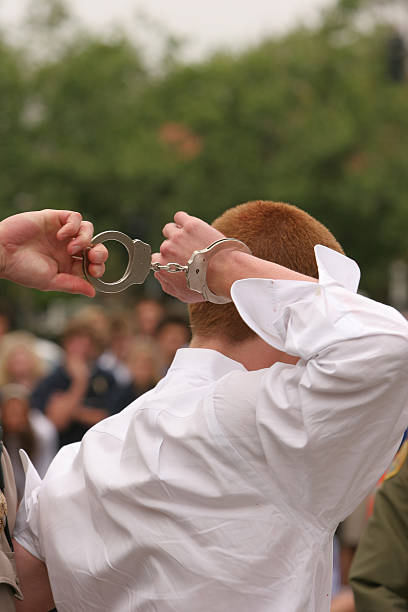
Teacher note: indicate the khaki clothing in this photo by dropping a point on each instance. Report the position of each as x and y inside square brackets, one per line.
[379, 573]
[9, 585]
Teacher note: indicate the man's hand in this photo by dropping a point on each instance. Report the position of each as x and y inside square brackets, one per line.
[186, 235]
[39, 249]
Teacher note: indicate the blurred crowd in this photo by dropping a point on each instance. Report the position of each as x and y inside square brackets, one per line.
[51, 393]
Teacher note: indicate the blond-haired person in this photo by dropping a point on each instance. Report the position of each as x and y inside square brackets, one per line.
[19, 360]
[220, 489]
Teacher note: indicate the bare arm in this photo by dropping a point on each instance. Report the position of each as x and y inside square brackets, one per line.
[343, 602]
[34, 581]
[188, 234]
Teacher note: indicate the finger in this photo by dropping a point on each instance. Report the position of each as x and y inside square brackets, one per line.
[70, 223]
[181, 218]
[82, 239]
[96, 270]
[70, 283]
[98, 254]
[166, 283]
[165, 250]
[168, 252]
[181, 293]
[156, 258]
[170, 229]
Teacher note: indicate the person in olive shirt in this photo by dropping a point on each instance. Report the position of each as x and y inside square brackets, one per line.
[38, 249]
[379, 573]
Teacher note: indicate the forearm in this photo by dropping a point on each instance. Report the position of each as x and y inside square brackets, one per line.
[189, 234]
[229, 266]
[343, 602]
[34, 582]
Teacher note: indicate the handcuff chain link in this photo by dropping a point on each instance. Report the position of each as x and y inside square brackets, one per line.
[168, 267]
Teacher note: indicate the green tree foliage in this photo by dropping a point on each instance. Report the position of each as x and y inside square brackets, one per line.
[312, 118]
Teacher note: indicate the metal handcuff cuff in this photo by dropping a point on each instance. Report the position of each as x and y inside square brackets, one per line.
[140, 264]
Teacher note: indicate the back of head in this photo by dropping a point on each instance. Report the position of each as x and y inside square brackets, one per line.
[274, 231]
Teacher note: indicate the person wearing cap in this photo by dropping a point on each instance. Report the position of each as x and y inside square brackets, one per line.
[38, 249]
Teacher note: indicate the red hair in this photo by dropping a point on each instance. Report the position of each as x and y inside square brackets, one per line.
[274, 231]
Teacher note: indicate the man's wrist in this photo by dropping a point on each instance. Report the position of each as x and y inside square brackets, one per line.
[223, 270]
[198, 263]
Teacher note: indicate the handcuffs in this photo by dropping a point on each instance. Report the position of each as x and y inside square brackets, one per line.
[140, 264]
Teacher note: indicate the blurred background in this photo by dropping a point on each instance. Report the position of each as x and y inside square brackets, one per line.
[131, 113]
[131, 110]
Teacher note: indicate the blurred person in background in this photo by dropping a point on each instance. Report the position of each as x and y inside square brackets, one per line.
[145, 365]
[147, 314]
[78, 393]
[172, 333]
[115, 333]
[23, 427]
[349, 533]
[379, 574]
[95, 317]
[115, 355]
[19, 360]
[26, 428]
[346, 541]
[49, 352]
[37, 249]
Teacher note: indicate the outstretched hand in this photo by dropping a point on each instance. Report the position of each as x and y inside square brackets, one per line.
[186, 235]
[42, 249]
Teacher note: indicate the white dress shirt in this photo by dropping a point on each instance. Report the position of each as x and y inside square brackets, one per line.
[220, 489]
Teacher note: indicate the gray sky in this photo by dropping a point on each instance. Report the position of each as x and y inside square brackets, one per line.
[207, 24]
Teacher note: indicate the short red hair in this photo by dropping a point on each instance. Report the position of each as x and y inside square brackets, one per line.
[274, 231]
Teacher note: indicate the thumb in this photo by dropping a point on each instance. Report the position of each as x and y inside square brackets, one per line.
[71, 284]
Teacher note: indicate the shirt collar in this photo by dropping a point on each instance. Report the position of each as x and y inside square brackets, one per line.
[207, 362]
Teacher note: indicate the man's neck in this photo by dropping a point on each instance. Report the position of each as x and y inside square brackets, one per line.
[253, 353]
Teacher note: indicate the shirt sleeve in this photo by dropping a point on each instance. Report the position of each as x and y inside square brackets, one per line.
[329, 425]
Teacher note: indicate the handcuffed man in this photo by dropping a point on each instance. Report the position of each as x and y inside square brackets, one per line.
[221, 488]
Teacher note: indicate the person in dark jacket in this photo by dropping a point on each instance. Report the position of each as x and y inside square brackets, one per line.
[78, 393]
[379, 574]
